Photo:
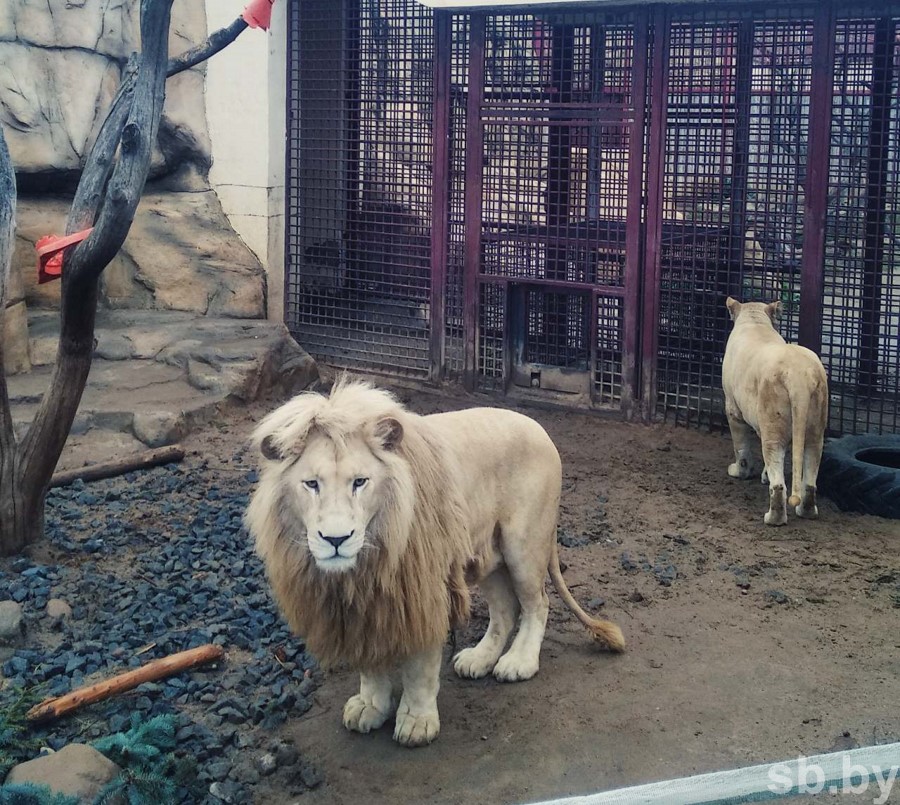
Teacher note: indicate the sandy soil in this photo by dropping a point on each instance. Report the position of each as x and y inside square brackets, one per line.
[745, 643]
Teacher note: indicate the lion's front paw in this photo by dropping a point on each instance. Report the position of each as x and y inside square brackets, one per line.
[362, 716]
[510, 668]
[416, 730]
[470, 663]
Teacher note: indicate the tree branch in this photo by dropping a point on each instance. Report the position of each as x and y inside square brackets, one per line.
[123, 192]
[7, 244]
[119, 466]
[216, 42]
[99, 165]
[92, 186]
[7, 214]
[57, 706]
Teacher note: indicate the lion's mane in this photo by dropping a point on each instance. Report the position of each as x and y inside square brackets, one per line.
[405, 594]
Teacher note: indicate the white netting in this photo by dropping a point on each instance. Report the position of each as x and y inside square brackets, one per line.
[857, 771]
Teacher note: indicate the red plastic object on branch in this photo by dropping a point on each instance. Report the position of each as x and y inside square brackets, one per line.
[258, 14]
[50, 253]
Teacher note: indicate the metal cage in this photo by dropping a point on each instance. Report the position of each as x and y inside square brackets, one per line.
[558, 202]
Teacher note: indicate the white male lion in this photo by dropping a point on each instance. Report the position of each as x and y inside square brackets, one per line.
[780, 391]
[371, 520]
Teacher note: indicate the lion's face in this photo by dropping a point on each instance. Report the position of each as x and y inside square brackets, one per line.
[335, 489]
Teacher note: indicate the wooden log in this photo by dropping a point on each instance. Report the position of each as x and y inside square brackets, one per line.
[110, 469]
[57, 706]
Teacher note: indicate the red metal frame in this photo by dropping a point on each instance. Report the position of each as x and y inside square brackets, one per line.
[659, 88]
[474, 164]
[440, 198]
[633, 251]
[818, 160]
[743, 99]
[566, 118]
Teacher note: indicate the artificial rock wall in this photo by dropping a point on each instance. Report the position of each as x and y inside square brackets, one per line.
[60, 65]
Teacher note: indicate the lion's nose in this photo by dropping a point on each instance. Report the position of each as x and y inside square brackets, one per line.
[336, 542]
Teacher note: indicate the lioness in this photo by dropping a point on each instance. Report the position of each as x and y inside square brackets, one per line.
[780, 391]
[371, 520]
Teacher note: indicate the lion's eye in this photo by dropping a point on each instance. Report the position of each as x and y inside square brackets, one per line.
[359, 483]
[313, 486]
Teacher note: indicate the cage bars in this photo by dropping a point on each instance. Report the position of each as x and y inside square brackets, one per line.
[561, 199]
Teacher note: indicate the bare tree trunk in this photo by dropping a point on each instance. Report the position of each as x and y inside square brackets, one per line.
[108, 193]
[18, 516]
[23, 514]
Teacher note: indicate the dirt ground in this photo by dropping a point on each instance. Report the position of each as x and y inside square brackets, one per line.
[746, 644]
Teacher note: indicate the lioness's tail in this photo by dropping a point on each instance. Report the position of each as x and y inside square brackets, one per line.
[604, 631]
[799, 417]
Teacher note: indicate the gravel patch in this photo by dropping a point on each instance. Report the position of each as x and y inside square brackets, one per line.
[149, 564]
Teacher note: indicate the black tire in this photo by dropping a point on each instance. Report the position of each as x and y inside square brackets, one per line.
[862, 474]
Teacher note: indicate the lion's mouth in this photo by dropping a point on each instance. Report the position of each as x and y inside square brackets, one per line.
[336, 563]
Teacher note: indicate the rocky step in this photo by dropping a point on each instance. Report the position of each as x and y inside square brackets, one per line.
[158, 375]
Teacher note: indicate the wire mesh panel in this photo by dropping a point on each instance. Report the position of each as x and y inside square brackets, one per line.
[359, 182]
[737, 118]
[454, 356]
[608, 328]
[698, 166]
[741, 121]
[556, 328]
[778, 125]
[861, 304]
[492, 336]
[556, 120]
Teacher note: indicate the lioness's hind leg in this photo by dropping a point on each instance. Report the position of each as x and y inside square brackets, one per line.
[372, 706]
[808, 507]
[773, 454]
[417, 721]
[527, 569]
[742, 439]
[479, 661]
[812, 455]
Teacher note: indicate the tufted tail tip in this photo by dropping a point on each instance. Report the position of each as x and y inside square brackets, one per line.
[609, 634]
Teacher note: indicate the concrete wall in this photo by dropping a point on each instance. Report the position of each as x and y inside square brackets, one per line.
[245, 108]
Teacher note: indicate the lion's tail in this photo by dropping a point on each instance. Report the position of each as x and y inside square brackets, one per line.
[605, 631]
[799, 417]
